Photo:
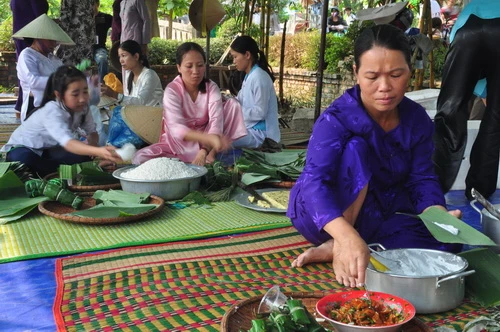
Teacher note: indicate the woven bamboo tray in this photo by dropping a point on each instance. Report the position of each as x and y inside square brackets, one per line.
[77, 188]
[60, 211]
[239, 316]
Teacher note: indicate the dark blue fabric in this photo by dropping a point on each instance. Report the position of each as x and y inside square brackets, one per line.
[48, 162]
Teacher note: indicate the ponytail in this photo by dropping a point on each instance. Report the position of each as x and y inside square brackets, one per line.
[243, 44]
[262, 62]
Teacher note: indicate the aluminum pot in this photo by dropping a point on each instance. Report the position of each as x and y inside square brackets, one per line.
[491, 225]
[432, 280]
[166, 189]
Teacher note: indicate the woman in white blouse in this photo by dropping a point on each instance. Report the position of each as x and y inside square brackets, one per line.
[37, 62]
[141, 86]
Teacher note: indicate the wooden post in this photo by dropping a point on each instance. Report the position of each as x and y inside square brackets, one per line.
[282, 63]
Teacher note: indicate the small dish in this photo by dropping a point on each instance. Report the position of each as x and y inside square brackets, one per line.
[242, 199]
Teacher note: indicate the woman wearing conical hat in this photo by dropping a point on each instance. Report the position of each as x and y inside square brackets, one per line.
[37, 62]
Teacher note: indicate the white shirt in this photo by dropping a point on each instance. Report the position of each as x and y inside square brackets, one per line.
[259, 102]
[435, 9]
[147, 90]
[33, 71]
[50, 126]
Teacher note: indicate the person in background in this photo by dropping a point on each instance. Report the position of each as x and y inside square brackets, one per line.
[136, 23]
[349, 15]
[472, 60]
[196, 123]
[141, 86]
[116, 25]
[38, 61]
[153, 12]
[46, 139]
[369, 158]
[103, 23]
[336, 23]
[77, 19]
[23, 12]
[257, 95]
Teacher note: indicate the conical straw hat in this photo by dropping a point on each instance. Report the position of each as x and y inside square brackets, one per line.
[381, 15]
[43, 27]
[145, 121]
[105, 101]
[214, 12]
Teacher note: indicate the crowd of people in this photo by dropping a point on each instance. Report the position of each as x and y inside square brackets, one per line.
[370, 162]
[197, 122]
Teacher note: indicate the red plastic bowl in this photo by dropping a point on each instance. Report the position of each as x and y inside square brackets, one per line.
[402, 305]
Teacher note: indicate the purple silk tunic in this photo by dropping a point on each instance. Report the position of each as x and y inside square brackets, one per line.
[349, 150]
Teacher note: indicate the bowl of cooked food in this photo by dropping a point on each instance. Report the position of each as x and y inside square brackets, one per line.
[361, 310]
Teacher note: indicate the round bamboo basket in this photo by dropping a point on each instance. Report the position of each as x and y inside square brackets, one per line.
[60, 211]
[77, 188]
[239, 316]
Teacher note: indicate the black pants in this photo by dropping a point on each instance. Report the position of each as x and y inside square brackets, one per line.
[473, 54]
[48, 162]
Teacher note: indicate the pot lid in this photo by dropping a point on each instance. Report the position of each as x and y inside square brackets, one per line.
[420, 262]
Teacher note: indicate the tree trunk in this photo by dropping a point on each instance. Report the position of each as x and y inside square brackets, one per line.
[170, 24]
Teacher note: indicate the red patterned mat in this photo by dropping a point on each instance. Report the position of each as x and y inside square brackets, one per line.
[188, 286]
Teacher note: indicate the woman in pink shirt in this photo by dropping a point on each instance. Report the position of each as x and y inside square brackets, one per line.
[196, 122]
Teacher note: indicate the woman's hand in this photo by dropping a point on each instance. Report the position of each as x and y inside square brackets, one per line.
[456, 213]
[199, 160]
[108, 152]
[106, 90]
[218, 143]
[350, 259]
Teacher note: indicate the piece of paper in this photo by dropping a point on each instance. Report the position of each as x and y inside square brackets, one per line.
[452, 229]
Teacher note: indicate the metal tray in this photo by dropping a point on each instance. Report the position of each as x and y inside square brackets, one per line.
[242, 199]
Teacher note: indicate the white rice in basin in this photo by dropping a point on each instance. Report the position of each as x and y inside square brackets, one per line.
[160, 169]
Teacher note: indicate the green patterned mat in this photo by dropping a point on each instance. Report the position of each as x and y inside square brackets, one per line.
[37, 235]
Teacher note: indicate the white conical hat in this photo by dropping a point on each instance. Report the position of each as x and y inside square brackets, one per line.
[43, 27]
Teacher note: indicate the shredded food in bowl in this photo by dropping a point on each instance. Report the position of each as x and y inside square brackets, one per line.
[364, 312]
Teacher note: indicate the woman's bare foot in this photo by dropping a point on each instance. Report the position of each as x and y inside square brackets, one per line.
[320, 254]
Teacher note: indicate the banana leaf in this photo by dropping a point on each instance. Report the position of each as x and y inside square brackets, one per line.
[466, 234]
[20, 169]
[90, 173]
[251, 178]
[14, 203]
[120, 196]
[109, 210]
[285, 157]
[484, 285]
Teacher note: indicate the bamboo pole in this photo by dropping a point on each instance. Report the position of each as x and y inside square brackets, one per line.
[282, 63]
[321, 65]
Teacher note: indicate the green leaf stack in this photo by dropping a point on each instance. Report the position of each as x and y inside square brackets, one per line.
[14, 203]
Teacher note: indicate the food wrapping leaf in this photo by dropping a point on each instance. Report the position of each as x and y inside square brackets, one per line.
[4, 167]
[10, 181]
[13, 203]
[121, 196]
[251, 178]
[484, 285]
[466, 234]
[19, 214]
[109, 211]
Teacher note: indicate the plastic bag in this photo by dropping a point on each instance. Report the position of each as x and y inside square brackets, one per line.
[113, 82]
[119, 133]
